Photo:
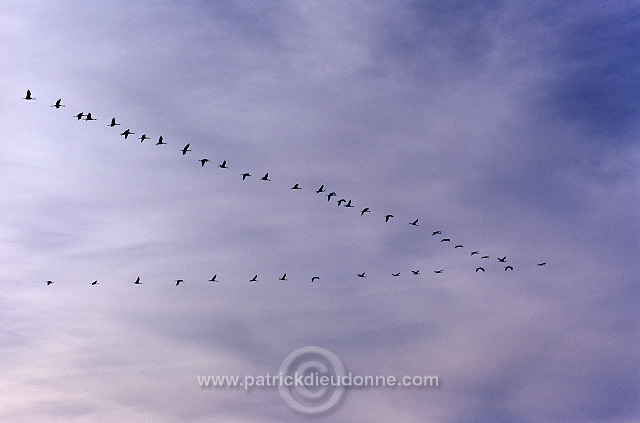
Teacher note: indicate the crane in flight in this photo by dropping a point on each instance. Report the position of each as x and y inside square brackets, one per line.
[28, 96]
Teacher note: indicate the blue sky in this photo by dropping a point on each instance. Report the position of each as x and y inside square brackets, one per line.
[509, 126]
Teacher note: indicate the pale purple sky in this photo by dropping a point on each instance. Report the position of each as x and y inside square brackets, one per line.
[509, 126]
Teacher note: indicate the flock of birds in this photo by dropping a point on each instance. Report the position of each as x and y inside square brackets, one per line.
[342, 202]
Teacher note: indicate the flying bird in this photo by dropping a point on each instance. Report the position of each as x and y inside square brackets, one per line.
[159, 140]
[436, 233]
[137, 282]
[58, 104]
[319, 190]
[126, 133]
[475, 252]
[485, 257]
[203, 162]
[88, 117]
[296, 186]
[143, 137]
[438, 271]
[213, 279]
[113, 123]
[185, 149]
[395, 274]
[416, 272]
[348, 204]
[445, 240]
[387, 217]
[479, 268]
[48, 282]
[361, 275]
[542, 264]
[365, 210]
[179, 281]
[414, 223]
[284, 277]
[94, 283]
[245, 175]
[223, 165]
[508, 268]
[314, 278]
[28, 97]
[265, 177]
[254, 279]
[79, 116]
[331, 194]
[340, 201]
[502, 260]
[459, 246]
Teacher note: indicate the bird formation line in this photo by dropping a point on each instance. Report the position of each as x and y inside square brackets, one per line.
[342, 202]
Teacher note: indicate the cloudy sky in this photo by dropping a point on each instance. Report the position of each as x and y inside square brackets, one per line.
[511, 127]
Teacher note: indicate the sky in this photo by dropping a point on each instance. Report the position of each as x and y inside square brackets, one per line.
[509, 126]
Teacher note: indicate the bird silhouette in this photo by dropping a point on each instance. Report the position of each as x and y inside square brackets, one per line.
[223, 165]
[340, 201]
[254, 279]
[387, 217]
[185, 149]
[508, 268]
[284, 277]
[48, 282]
[361, 275]
[143, 137]
[459, 246]
[331, 194]
[502, 260]
[416, 272]
[479, 268]
[414, 223]
[126, 133]
[319, 190]
[88, 117]
[94, 283]
[436, 233]
[113, 123]
[137, 282]
[445, 240]
[203, 162]
[314, 278]
[245, 175]
[296, 186]
[395, 274]
[475, 252]
[542, 264]
[365, 210]
[58, 104]
[438, 271]
[213, 279]
[348, 204]
[266, 177]
[78, 116]
[179, 281]
[28, 96]
[160, 142]
[485, 257]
